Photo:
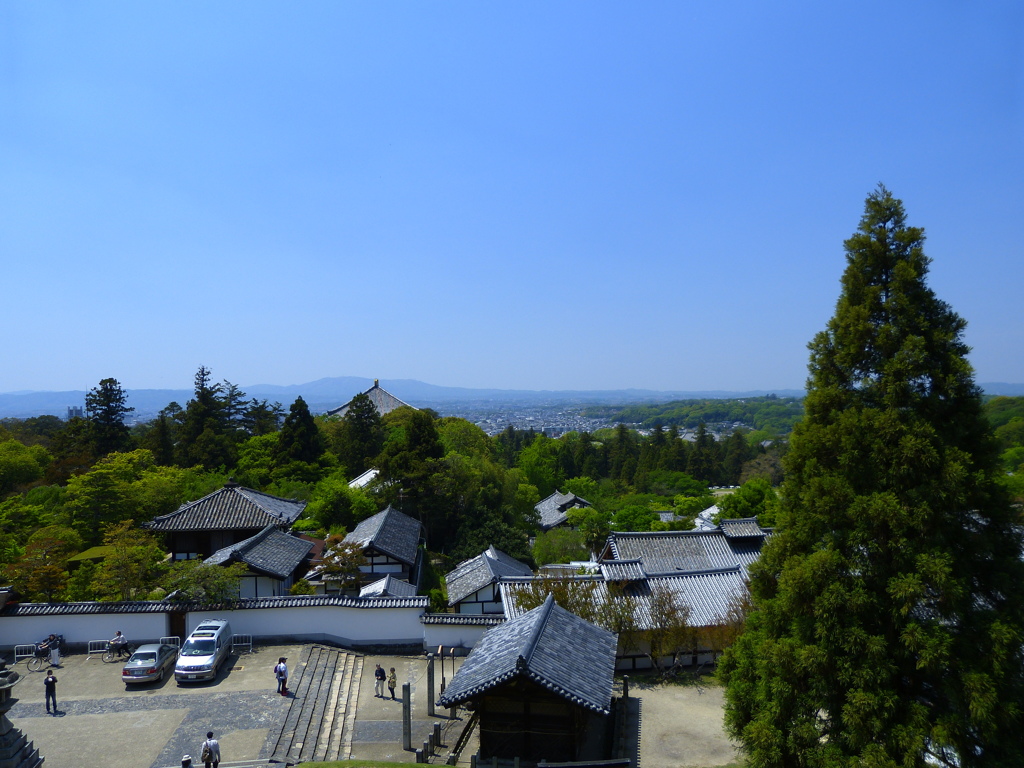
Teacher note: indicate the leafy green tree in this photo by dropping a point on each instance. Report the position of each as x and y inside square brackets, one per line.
[594, 524]
[559, 545]
[342, 562]
[755, 498]
[41, 573]
[334, 504]
[20, 465]
[634, 517]
[80, 582]
[887, 619]
[539, 462]
[105, 409]
[358, 436]
[134, 565]
[122, 486]
[191, 580]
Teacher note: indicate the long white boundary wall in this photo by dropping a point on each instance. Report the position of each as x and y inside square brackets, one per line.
[81, 628]
[351, 624]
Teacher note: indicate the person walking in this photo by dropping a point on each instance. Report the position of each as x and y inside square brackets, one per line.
[281, 673]
[379, 676]
[211, 751]
[50, 683]
[392, 682]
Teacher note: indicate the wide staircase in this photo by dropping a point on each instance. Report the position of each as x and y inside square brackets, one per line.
[324, 687]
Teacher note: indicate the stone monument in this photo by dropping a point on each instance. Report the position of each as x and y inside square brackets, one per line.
[15, 750]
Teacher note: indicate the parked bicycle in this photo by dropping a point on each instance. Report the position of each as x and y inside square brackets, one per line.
[117, 651]
[43, 650]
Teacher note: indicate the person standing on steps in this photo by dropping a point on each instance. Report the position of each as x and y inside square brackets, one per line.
[392, 682]
[281, 673]
[211, 751]
[50, 683]
[379, 676]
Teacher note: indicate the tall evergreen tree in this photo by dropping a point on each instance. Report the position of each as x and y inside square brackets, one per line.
[105, 409]
[888, 622]
[203, 438]
[300, 438]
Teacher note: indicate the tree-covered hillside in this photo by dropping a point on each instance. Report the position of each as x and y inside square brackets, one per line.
[772, 414]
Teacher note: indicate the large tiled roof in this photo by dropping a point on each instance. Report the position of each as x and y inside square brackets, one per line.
[711, 598]
[476, 573]
[230, 508]
[390, 532]
[670, 552]
[389, 586]
[382, 400]
[270, 551]
[549, 646]
[553, 509]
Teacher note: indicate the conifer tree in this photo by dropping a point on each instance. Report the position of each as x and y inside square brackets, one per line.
[106, 406]
[887, 620]
[300, 438]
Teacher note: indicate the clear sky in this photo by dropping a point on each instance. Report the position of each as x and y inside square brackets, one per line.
[545, 195]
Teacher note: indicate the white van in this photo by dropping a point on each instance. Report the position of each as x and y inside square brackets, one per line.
[204, 651]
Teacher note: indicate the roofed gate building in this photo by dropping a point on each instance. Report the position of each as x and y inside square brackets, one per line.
[542, 684]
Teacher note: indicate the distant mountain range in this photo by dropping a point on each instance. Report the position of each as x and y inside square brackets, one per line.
[324, 394]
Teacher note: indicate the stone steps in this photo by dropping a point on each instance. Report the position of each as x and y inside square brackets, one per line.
[318, 725]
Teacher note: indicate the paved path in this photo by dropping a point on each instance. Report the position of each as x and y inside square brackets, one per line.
[330, 714]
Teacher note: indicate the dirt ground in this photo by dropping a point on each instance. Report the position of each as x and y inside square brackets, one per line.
[682, 726]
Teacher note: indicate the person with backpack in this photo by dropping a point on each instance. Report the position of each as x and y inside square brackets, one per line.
[211, 751]
[281, 673]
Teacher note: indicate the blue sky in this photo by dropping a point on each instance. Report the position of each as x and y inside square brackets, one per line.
[528, 195]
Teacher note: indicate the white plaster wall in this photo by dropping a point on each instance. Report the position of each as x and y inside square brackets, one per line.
[348, 626]
[81, 628]
[451, 636]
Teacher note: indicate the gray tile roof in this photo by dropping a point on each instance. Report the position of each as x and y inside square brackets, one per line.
[462, 619]
[623, 570]
[71, 609]
[163, 606]
[230, 508]
[671, 552]
[476, 573]
[549, 646]
[389, 586]
[382, 400]
[553, 509]
[389, 532]
[709, 595]
[741, 527]
[270, 551]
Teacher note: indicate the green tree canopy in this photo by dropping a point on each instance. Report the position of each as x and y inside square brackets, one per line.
[887, 617]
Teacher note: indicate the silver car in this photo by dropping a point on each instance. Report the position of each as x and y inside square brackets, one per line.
[149, 663]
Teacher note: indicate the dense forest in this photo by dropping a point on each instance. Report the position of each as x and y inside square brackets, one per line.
[68, 486]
